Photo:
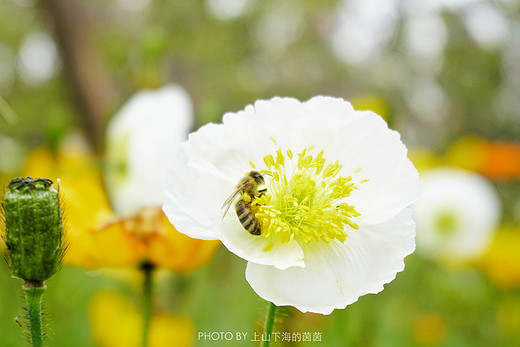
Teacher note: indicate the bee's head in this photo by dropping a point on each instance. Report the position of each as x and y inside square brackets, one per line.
[257, 176]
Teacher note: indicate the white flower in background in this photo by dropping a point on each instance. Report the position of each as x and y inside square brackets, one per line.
[227, 9]
[334, 220]
[363, 28]
[280, 26]
[38, 58]
[456, 214]
[141, 141]
[486, 24]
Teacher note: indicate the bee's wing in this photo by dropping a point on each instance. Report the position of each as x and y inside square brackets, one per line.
[229, 201]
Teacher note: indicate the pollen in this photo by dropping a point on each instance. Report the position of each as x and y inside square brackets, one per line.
[306, 198]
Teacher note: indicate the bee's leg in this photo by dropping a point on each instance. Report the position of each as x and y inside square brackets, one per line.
[262, 192]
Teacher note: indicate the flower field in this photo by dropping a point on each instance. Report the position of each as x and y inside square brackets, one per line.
[259, 173]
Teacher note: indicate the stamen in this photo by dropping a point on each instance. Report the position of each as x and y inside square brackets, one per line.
[306, 204]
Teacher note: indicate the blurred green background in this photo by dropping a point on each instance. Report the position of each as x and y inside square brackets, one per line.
[439, 72]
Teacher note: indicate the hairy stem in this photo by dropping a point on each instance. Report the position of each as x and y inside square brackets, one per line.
[269, 323]
[33, 291]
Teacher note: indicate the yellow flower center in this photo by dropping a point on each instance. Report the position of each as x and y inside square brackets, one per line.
[310, 204]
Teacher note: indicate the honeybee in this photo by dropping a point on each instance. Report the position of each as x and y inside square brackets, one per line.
[247, 190]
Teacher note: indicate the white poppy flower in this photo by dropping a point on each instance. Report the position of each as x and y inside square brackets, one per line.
[456, 214]
[334, 221]
[141, 141]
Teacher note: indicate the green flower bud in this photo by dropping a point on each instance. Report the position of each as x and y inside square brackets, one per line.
[33, 228]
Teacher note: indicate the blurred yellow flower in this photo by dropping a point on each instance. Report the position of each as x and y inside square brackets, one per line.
[115, 322]
[149, 236]
[429, 329]
[423, 158]
[372, 102]
[467, 153]
[96, 236]
[501, 262]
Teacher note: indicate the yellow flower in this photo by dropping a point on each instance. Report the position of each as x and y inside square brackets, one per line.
[502, 260]
[115, 322]
[149, 236]
[467, 153]
[429, 329]
[96, 236]
[424, 158]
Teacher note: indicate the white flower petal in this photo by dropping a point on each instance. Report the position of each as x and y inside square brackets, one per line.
[258, 249]
[393, 181]
[204, 181]
[141, 141]
[337, 275]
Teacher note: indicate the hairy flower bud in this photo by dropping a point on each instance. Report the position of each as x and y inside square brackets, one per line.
[33, 228]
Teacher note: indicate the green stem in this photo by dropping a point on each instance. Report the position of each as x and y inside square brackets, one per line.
[147, 300]
[269, 323]
[33, 291]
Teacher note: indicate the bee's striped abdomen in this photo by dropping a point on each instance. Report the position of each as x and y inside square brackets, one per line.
[247, 217]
